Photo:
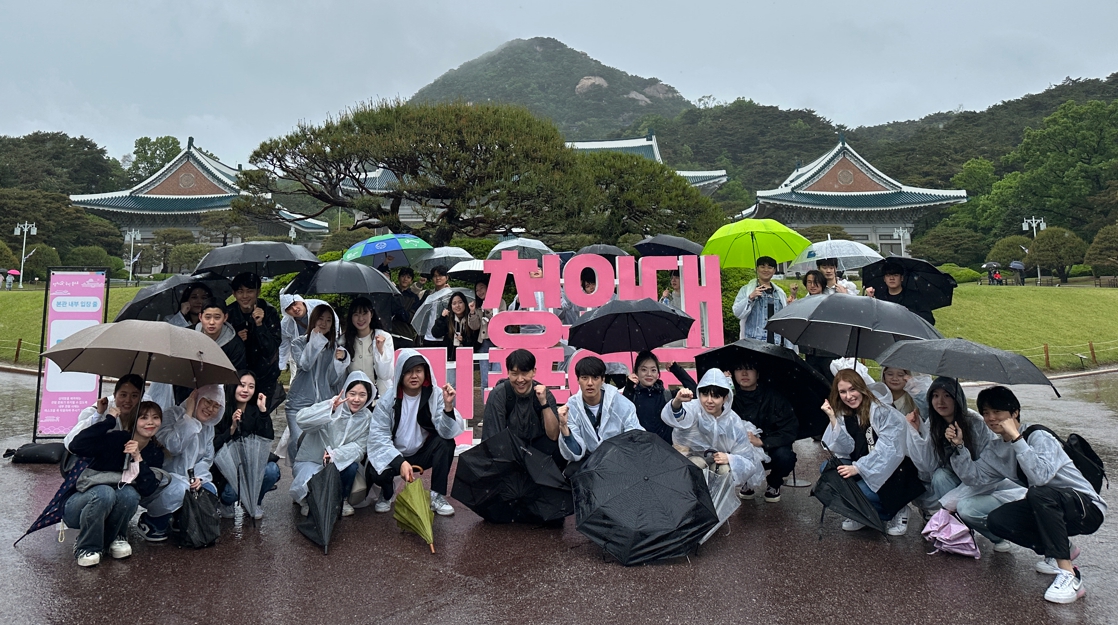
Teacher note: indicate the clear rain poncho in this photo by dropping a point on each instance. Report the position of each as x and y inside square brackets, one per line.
[890, 445]
[188, 443]
[339, 431]
[617, 415]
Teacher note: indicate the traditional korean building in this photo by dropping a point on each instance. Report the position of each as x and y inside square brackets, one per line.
[706, 182]
[841, 188]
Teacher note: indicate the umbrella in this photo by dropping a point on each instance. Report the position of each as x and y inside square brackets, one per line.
[374, 251]
[668, 245]
[447, 256]
[243, 459]
[342, 277]
[158, 351]
[324, 498]
[724, 494]
[620, 326]
[159, 301]
[959, 358]
[741, 243]
[847, 254]
[413, 511]
[609, 251]
[991, 265]
[1017, 265]
[524, 248]
[844, 497]
[263, 258]
[471, 271]
[641, 500]
[780, 370]
[927, 288]
[849, 325]
[505, 481]
[425, 316]
[13, 272]
[57, 506]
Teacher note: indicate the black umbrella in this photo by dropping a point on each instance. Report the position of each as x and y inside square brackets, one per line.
[641, 500]
[844, 497]
[263, 258]
[849, 325]
[324, 498]
[927, 288]
[160, 301]
[959, 358]
[503, 480]
[780, 370]
[343, 277]
[991, 265]
[629, 327]
[601, 249]
[668, 245]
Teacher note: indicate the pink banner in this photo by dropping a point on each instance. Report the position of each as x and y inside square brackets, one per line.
[75, 300]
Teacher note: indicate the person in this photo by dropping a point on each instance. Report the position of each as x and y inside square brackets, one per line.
[814, 282]
[869, 434]
[415, 426]
[758, 300]
[1058, 504]
[900, 382]
[998, 277]
[408, 299]
[296, 311]
[441, 280]
[8, 280]
[649, 394]
[322, 362]
[187, 435]
[247, 413]
[835, 284]
[122, 406]
[258, 325]
[479, 322]
[452, 330]
[214, 323]
[594, 414]
[190, 306]
[525, 408]
[337, 431]
[672, 296]
[768, 410]
[535, 303]
[896, 293]
[101, 512]
[370, 346]
[709, 428]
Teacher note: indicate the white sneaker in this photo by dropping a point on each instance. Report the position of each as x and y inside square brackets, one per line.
[258, 515]
[850, 525]
[1003, 546]
[898, 525]
[119, 549]
[440, 505]
[347, 510]
[1066, 588]
[88, 558]
[383, 505]
[1048, 566]
[304, 508]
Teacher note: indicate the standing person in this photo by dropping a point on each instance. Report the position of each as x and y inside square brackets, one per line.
[190, 306]
[247, 413]
[441, 280]
[408, 299]
[758, 300]
[649, 394]
[322, 362]
[769, 411]
[8, 281]
[672, 295]
[414, 426]
[835, 283]
[523, 407]
[296, 317]
[369, 344]
[595, 413]
[452, 330]
[258, 325]
[126, 397]
[1059, 503]
[896, 293]
[479, 321]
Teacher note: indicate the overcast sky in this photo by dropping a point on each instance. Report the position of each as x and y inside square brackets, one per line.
[232, 74]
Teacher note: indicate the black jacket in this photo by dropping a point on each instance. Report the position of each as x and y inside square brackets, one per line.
[441, 331]
[650, 401]
[104, 446]
[253, 423]
[904, 298]
[523, 416]
[769, 411]
[262, 346]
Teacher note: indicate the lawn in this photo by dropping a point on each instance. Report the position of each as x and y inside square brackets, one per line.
[21, 316]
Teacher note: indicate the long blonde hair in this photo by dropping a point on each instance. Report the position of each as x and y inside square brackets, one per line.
[855, 380]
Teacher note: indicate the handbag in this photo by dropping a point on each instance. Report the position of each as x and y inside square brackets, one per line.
[197, 523]
[92, 477]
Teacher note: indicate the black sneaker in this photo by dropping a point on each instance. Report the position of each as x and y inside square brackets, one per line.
[149, 532]
[746, 494]
[772, 495]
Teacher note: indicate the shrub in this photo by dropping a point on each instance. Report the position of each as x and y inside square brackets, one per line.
[961, 274]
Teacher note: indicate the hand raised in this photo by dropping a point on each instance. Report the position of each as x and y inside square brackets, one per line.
[870, 291]
[102, 405]
[338, 399]
[685, 395]
[541, 394]
[258, 315]
[262, 402]
[448, 397]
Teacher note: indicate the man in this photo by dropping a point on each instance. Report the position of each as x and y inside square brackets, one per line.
[258, 325]
[835, 284]
[896, 293]
[1059, 503]
[523, 407]
[414, 426]
[773, 415]
[296, 313]
[408, 299]
[758, 300]
[593, 414]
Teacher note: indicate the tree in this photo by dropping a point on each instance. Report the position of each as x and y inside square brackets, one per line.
[88, 256]
[150, 155]
[184, 258]
[977, 177]
[822, 233]
[1008, 249]
[942, 245]
[57, 163]
[8, 259]
[166, 240]
[220, 226]
[58, 223]
[1102, 255]
[99, 232]
[478, 248]
[343, 240]
[40, 257]
[1057, 249]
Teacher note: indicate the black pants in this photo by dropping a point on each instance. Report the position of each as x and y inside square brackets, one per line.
[1044, 520]
[781, 465]
[436, 455]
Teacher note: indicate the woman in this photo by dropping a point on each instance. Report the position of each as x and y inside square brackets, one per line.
[453, 330]
[868, 436]
[322, 364]
[337, 430]
[369, 345]
[479, 322]
[108, 498]
[247, 413]
[900, 383]
[649, 394]
[190, 306]
[121, 406]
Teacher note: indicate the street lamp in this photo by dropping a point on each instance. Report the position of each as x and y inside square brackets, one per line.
[1033, 223]
[25, 227]
[291, 234]
[901, 234]
[132, 235]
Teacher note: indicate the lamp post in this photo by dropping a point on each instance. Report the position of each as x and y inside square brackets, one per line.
[291, 234]
[132, 235]
[25, 227]
[901, 234]
[1033, 222]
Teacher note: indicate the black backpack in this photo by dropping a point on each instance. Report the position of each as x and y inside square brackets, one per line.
[1082, 456]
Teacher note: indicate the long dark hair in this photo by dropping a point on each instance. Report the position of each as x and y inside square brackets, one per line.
[467, 332]
[186, 298]
[361, 304]
[938, 425]
[127, 421]
[316, 314]
[231, 393]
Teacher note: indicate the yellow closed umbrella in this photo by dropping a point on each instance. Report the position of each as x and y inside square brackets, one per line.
[413, 511]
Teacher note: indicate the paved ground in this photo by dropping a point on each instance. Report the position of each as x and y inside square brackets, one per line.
[774, 563]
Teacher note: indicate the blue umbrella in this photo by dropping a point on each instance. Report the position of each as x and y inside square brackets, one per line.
[398, 250]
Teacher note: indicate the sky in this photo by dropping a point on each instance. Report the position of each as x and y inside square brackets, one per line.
[232, 74]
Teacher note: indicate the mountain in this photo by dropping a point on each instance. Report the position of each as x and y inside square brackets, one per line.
[583, 97]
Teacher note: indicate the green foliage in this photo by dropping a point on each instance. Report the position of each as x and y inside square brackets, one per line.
[57, 163]
[150, 155]
[977, 177]
[328, 256]
[270, 291]
[478, 248]
[1057, 249]
[184, 258]
[1080, 271]
[822, 233]
[223, 226]
[8, 259]
[1102, 255]
[99, 232]
[58, 224]
[733, 279]
[40, 257]
[345, 239]
[165, 242]
[949, 245]
[961, 274]
[1008, 249]
[88, 256]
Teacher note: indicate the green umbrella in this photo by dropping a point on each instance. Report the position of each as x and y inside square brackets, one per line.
[741, 243]
[413, 511]
[395, 250]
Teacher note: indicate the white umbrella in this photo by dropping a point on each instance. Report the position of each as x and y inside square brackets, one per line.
[448, 256]
[848, 254]
[525, 248]
[429, 311]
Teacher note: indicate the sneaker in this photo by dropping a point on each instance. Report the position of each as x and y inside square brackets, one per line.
[347, 510]
[440, 505]
[383, 505]
[772, 495]
[898, 525]
[1048, 566]
[850, 525]
[88, 558]
[149, 532]
[304, 508]
[120, 548]
[1066, 588]
[258, 515]
[228, 511]
[746, 494]
[1003, 546]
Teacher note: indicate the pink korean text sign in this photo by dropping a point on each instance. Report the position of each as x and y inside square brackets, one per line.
[75, 300]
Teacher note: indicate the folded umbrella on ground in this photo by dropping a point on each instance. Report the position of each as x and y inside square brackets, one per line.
[324, 498]
[413, 511]
[842, 495]
[266, 259]
[242, 461]
[503, 480]
[960, 358]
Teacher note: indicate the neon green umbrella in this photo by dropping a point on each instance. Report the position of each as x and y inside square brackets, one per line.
[413, 510]
[741, 243]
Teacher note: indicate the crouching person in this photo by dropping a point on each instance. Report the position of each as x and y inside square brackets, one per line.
[595, 413]
[415, 425]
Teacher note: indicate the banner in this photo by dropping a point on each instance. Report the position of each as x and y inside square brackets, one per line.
[75, 299]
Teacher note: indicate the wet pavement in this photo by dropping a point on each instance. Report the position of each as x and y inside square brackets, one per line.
[772, 563]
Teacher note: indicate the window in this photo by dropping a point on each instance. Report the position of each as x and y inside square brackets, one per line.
[890, 248]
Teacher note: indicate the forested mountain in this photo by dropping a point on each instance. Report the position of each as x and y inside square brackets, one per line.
[586, 99]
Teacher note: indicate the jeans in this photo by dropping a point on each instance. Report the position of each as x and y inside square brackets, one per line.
[781, 465]
[974, 511]
[101, 515]
[943, 481]
[1044, 520]
[349, 474]
[271, 476]
[436, 456]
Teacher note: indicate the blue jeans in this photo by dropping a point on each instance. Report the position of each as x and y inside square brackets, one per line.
[974, 511]
[484, 365]
[271, 476]
[101, 515]
[349, 474]
[871, 496]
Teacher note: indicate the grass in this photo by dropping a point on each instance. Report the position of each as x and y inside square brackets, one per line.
[21, 316]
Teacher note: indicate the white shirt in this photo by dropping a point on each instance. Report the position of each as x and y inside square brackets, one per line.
[409, 436]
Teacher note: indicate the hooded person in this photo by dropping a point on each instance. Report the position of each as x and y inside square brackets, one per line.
[595, 413]
[335, 430]
[187, 435]
[707, 430]
[322, 363]
[296, 315]
[415, 425]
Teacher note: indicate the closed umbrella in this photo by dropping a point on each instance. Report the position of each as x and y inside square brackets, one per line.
[846, 254]
[470, 271]
[160, 301]
[668, 245]
[243, 460]
[446, 256]
[620, 326]
[503, 480]
[429, 311]
[343, 277]
[413, 511]
[842, 495]
[741, 243]
[324, 500]
[393, 250]
[524, 248]
[925, 287]
[264, 258]
[960, 358]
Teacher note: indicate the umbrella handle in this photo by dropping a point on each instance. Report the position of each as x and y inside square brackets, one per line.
[418, 470]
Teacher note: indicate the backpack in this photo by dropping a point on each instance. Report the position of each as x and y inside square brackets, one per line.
[1082, 456]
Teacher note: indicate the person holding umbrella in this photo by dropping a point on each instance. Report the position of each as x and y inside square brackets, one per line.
[452, 330]
[763, 408]
[523, 407]
[247, 413]
[369, 345]
[190, 306]
[896, 293]
[758, 300]
[595, 413]
[441, 280]
[322, 362]
[296, 311]
[258, 325]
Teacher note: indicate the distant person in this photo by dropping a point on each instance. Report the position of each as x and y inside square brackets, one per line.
[672, 296]
[296, 316]
[998, 277]
[8, 281]
[896, 293]
[258, 325]
[758, 300]
[452, 330]
[408, 299]
[479, 321]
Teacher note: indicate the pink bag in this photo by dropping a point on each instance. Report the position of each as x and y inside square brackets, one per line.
[947, 533]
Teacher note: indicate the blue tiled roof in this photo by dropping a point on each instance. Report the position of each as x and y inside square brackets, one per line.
[888, 200]
[154, 204]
